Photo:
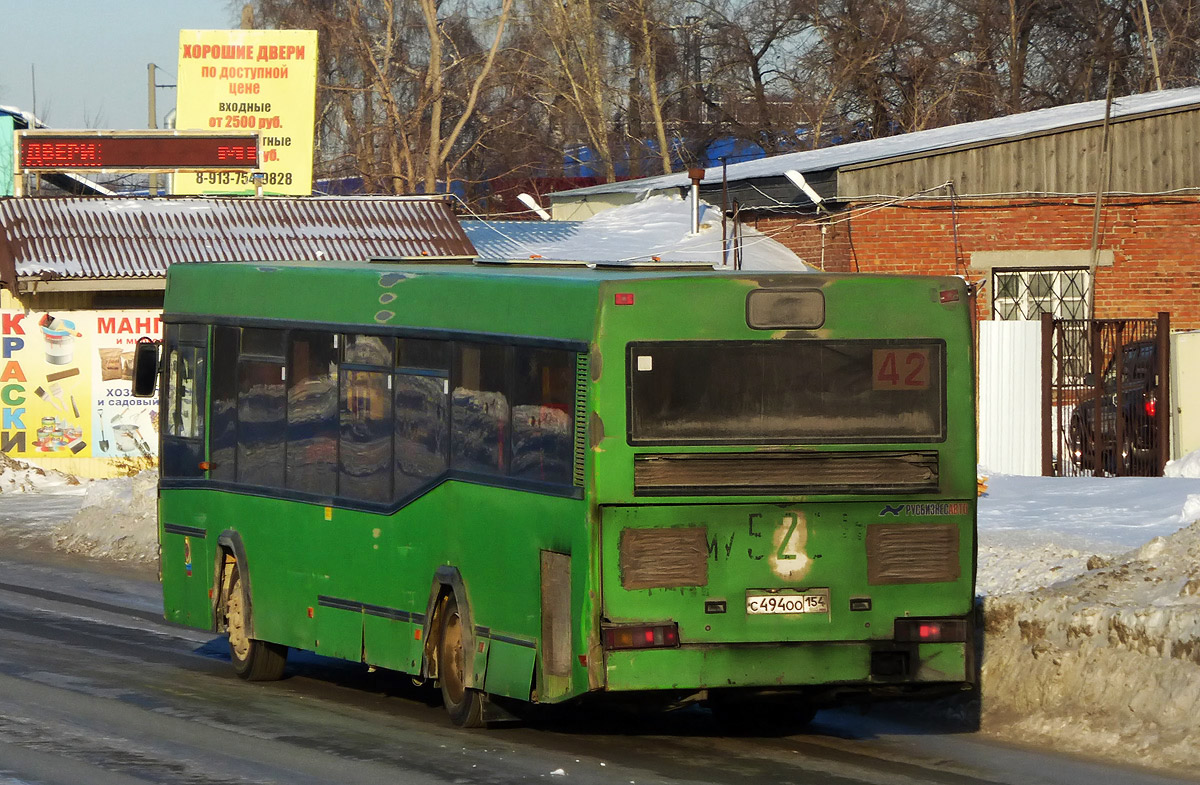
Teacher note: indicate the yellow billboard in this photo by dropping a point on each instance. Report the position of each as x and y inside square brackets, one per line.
[263, 81]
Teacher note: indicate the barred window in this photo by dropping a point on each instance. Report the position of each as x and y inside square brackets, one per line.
[1027, 294]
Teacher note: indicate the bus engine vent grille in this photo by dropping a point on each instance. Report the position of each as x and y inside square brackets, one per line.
[581, 418]
[764, 473]
[912, 553]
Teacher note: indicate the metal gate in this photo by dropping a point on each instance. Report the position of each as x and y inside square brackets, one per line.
[1105, 396]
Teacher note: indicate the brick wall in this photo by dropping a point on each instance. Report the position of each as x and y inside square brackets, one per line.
[1155, 243]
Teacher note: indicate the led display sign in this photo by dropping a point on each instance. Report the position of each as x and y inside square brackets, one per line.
[81, 150]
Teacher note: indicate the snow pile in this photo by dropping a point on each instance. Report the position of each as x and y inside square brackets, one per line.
[1092, 613]
[1187, 466]
[118, 520]
[32, 500]
[1024, 564]
[21, 477]
[1107, 662]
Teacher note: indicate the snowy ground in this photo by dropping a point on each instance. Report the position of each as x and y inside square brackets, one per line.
[1092, 613]
[1090, 589]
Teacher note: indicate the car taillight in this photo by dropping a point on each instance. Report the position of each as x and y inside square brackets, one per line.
[931, 630]
[642, 636]
[1151, 407]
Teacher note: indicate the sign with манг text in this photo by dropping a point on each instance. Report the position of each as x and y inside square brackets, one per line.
[262, 81]
[66, 385]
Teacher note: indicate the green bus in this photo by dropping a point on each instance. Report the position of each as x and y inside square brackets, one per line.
[755, 490]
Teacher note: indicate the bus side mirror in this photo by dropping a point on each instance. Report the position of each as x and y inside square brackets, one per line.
[145, 367]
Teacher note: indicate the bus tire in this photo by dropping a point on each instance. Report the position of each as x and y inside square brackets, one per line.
[252, 659]
[463, 704]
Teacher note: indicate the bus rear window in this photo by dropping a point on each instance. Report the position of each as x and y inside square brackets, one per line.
[776, 392]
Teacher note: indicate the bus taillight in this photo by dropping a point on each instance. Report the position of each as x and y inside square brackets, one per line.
[931, 630]
[642, 636]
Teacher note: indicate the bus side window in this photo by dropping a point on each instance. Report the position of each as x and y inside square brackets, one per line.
[479, 416]
[261, 409]
[422, 435]
[312, 419]
[365, 451]
[222, 449]
[543, 429]
[183, 421]
[185, 415]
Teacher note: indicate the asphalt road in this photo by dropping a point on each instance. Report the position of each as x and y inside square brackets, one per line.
[95, 689]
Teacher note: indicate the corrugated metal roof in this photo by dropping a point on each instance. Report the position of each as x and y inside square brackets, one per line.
[933, 140]
[126, 237]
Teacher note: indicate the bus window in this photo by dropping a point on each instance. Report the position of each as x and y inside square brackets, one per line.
[223, 438]
[542, 421]
[424, 354]
[365, 453]
[185, 413]
[312, 419]
[479, 409]
[260, 428]
[734, 392]
[183, 425]
[422, 435]
[376, 350]
[263, 343]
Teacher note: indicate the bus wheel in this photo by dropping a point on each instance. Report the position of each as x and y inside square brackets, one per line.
[465, 705]
[253, 660]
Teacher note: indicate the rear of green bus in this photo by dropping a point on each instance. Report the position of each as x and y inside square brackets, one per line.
[784, 486]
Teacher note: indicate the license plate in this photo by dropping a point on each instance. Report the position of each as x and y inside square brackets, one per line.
[813, 601]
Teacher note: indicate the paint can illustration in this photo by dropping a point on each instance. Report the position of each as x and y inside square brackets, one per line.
[59, 336]
[46, 432]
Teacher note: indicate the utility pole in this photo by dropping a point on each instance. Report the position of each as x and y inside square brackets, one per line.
[152, 118]
[1150, 41]
[1103, 166]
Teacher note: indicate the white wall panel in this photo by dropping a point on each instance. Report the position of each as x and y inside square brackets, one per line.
[1010, 383]
[1185, 393]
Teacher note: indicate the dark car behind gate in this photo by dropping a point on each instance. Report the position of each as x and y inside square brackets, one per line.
[1105, 388]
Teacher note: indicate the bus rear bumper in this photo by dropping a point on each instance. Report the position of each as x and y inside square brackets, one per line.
[776, 665]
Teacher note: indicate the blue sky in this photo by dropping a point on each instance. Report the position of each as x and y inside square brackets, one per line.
[90, 56]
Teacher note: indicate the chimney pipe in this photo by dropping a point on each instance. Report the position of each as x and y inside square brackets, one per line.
[696, 175]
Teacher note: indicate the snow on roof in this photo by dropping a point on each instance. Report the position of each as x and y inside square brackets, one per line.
[997, 129]
[21, 116]
[659, 226]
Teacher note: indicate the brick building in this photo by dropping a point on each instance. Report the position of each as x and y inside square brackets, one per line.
[1009, 202]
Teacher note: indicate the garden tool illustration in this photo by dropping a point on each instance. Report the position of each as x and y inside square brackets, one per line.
[103, 439]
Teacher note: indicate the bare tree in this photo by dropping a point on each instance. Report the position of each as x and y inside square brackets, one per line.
[412, 92]
[402, 81]
[574, 68]
[643, 23]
